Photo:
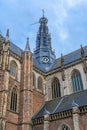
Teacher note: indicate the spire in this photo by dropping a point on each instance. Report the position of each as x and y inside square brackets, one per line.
[27, 48]
[43, 36]
[43, 52]
[43, 12]
[7, 35]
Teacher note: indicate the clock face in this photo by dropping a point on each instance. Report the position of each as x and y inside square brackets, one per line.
[45, 59]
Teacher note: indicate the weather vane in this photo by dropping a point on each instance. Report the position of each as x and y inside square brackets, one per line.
[43, 12]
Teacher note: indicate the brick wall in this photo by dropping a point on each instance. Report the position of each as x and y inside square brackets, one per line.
[10, 126]
[39, 127]
[38, 100]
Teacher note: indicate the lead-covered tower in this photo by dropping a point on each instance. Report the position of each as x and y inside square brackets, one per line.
[43, 52]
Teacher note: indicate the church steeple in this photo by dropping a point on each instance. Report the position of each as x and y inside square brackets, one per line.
[43, 52]
[43, 36]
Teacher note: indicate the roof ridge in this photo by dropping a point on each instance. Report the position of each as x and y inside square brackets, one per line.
[67, 95]
[71, 52]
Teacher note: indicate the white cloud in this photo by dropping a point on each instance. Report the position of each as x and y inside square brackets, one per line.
[72, 3]
[63, 34]
[20, 14]
[61, 14]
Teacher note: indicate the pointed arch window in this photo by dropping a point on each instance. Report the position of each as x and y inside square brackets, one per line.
[13, 103]
[77, 81]
[40, 83]
[13, 69]
[34, 80]
[56, 88]
[65, 127]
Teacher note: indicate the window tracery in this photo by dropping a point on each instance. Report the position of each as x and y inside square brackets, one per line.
[13, 69]
[56, 88]
[13, 102]
[76, 81]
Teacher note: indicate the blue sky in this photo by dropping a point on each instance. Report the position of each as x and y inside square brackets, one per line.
[67, 22]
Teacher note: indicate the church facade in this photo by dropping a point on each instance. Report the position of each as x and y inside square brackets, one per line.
[39, 91]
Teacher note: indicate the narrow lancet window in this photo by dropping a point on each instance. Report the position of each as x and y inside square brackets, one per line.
[13, 103]
[56, 88]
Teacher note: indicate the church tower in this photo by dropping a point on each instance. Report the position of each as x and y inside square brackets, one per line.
[26, 94]
[43, 52]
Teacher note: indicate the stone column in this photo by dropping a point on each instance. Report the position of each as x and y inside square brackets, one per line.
[46, 122]
[76, 118]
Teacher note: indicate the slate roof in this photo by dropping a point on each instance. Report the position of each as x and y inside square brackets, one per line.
[69, 59]
[15, 49]
[63, 104]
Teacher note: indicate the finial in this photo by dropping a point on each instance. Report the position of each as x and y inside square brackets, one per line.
[61, 55]
[62, 59]
[27, 48]
[7, 35]
[81, 46]
[43, 12]
[0, 33]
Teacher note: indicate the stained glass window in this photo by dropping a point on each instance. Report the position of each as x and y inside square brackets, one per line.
[77, 81]
[56, 88]
[13, 103]
[13, 69]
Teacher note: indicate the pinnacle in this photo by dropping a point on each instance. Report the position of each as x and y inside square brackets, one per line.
[7, 35]
[82, 50]
[27, 48]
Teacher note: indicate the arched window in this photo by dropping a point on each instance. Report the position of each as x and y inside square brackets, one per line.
[40, 83]
[56, 88]
[34, 80]
[13, 69]
[13, 103]
[65, 127]
[76, 81]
